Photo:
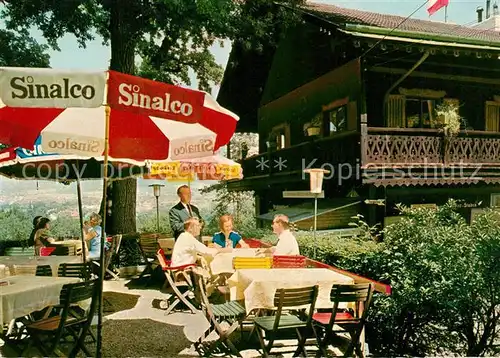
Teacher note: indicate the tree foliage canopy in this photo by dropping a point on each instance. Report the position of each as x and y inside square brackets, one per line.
[19, 49]
[171, 38]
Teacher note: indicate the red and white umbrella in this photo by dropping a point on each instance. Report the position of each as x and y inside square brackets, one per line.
[133, 118]
[148, 120]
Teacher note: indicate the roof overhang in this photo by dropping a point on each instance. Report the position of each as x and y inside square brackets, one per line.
[306, 211]
[379, 34]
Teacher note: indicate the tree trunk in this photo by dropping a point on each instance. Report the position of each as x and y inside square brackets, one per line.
[122, 194]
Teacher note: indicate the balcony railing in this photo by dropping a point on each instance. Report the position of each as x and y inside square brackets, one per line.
[327, 152]
[381, 148]
[406, 146]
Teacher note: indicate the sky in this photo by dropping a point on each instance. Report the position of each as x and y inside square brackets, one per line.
[96, 56]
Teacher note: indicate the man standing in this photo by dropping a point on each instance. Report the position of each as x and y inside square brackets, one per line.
[287, 244]
[179, 214]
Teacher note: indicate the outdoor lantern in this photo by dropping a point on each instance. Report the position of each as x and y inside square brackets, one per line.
[156, 189]
[316, 186]
[316, 179]
[156, 193]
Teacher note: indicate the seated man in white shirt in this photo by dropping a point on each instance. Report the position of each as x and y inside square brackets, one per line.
[187, 246]
[287, 244]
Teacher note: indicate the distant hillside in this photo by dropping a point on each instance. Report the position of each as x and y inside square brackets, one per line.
[29, 192]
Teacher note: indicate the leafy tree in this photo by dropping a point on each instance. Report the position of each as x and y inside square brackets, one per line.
[239, 204]
[171, 37]
[19, 49]
[445, 279]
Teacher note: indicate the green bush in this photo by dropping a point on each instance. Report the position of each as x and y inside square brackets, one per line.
[445, 285]
[444, 274]
[146, 222]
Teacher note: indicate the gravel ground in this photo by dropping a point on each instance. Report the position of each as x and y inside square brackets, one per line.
[142, 338]
[138, 337]
[116, 302]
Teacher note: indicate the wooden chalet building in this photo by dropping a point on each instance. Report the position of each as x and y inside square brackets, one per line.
[346, 91]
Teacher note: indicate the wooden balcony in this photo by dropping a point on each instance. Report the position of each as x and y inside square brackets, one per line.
[400, 147]
[287, 165]
[386, 156]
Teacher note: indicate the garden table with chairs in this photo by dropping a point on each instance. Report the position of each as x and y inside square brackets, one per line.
[22, 295]
[29, 264]
[74, 244]
[257, 287]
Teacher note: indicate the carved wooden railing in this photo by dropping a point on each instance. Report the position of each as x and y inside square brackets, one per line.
[406, 146]
[326, 152]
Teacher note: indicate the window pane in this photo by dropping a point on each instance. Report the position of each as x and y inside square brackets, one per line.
[413, 112]
[338, 119]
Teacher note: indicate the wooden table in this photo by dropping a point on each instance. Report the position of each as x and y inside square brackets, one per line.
[258, 286]
[77, 244]
[31, 262]
[25, 294]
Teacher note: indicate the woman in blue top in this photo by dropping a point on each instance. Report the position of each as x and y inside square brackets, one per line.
[227, 237]
[93, 236]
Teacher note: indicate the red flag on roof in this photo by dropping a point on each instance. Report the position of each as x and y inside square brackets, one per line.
[435, 5]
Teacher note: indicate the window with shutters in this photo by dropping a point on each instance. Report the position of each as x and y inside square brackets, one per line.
[396, 111]
[279, 138]
[420, 112]
[413, 111]
[492, 116]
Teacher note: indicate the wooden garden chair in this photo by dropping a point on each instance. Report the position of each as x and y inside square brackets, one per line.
[240, 263]
[79, 270]
[43, 270]
[178, 280]
[336, 321]
[148, 244]
[289, 261]
[47, 333]
[109, 253]
[64, 251]
[284, 299]
[114, 250]
[47, 251]
[232, 313]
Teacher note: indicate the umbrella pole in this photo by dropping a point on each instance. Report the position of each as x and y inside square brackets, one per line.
[103, 237]
[80, 213]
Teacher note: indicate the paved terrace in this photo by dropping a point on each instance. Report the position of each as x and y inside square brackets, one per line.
[134, 325]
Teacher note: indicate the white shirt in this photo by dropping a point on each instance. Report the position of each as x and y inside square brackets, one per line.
[185, 249]
[287, 244]
[186, 207]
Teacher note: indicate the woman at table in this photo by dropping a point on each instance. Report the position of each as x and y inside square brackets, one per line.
[31, 240]
[93, 235]
[227, 237]
[40, 236]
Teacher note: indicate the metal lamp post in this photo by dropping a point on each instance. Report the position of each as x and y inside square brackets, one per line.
[156, 193]
[316, 188]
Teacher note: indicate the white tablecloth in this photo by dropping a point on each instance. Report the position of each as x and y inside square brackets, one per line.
[258, 286]
[25, 294]
[34, 261]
